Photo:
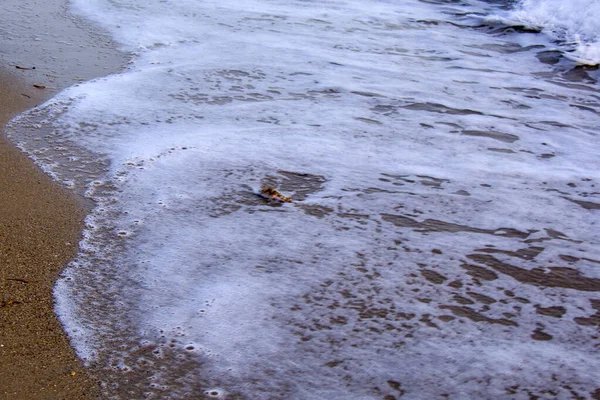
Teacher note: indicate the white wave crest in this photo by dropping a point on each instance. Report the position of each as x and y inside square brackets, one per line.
[575, 22]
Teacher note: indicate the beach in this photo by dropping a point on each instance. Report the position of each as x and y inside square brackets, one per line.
[438, 162]
[41, 52]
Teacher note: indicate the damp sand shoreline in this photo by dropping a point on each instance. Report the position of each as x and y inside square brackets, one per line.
[45, 51]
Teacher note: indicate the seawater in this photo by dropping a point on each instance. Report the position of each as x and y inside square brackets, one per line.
[442, 242]
[574, 23]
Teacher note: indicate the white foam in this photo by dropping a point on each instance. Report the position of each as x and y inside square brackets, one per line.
[575, 22]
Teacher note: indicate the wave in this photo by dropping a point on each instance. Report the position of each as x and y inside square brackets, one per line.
[574, 24]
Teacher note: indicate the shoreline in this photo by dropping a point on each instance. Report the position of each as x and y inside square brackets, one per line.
[40, 221]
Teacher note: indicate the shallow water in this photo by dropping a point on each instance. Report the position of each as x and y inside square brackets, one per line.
[442, 239]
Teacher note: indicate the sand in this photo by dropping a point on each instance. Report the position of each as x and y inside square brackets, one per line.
[40, 222]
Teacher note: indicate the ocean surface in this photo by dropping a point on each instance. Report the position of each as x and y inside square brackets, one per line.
[444, 235]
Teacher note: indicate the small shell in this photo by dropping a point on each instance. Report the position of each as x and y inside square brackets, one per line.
[273, 194]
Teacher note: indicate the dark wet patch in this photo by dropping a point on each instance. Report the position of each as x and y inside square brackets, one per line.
[552, 234]
[456, 284]
[528, 253]
[538, 334]
[522, 300]
[433, 276]
[436, 58]
[555, 311]
[397, 386]
[368, 121]
[506, 151]
[529, 92]
[592, 320]
[479, 272]
[568, 258]
[385, 109]
[507, 48]
[516, 105]
[450, 124]
[432, 181]
[555, 124]
[549, 57]
[580, 74]
[462, 300]
[300, 185]
[434, 225]
[556, 276]
[402, 180]
[446, 318]
[588, 205]
[474, 53]
[367, 94]
[503, 137]
[552, 189]
[315, 210]
[427, 21]
[440, 108]
[233, 201]
[329, 92]
[533, 394]
[487, 70]
[467, 312]
[575, 86]
[360, 218]
[482, 298]
[507, 30]
[333, 364]
[426, 319]
[377, 190]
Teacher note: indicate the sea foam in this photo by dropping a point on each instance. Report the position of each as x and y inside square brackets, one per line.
[576, 24]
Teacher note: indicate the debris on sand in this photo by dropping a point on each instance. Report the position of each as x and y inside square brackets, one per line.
[272, 194]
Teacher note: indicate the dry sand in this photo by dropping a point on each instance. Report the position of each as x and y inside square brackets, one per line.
[40, 222]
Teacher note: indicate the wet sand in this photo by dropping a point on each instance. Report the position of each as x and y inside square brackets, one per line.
[40, 222]
[39, 229]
